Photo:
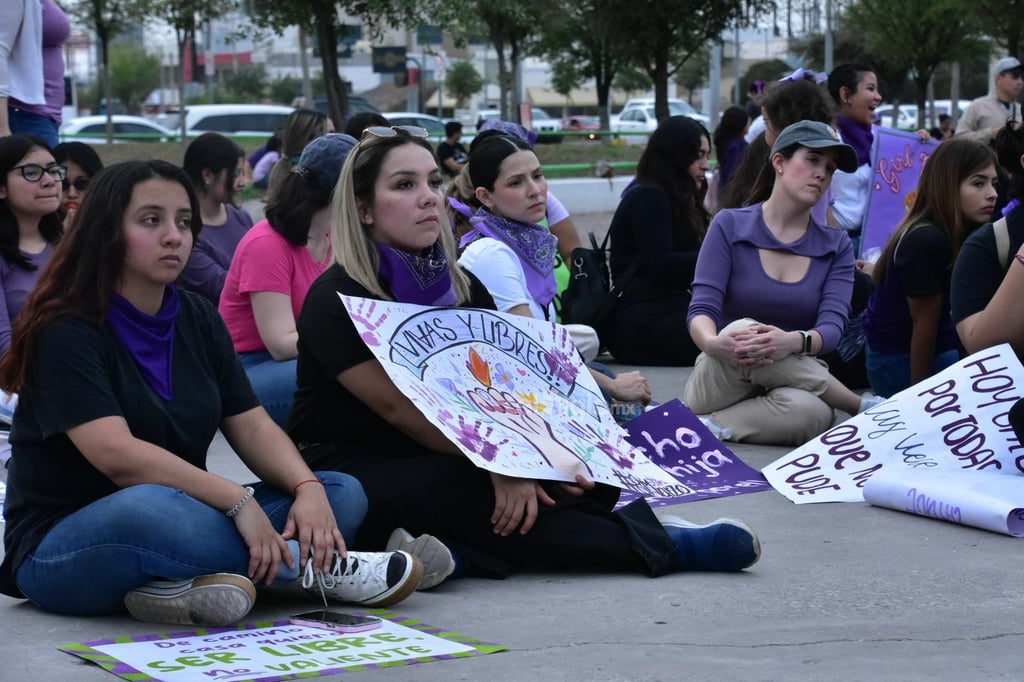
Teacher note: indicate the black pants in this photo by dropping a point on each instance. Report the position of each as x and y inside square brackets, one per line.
[452, 499]
[650, 331]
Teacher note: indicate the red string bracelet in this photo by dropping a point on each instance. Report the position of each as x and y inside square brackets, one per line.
[301, 483]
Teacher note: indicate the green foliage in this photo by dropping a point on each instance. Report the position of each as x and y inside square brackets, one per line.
[462, 81]
[565, 75]
[133, 75]
[632, 79]
[284, 89]
[248, 84]
[693, 73]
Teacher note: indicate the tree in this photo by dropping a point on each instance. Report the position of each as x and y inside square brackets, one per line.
[107, 18]
[247, 84]
[694, 73]
[132, 74]
[462, 82]
[665, 34]
[1004, 21]
[916, 35]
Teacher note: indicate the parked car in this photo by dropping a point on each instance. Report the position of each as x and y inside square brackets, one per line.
[356, 105]
[433, 124]
[635, 125]
[93, 130]
[906, 117]
[253, 120]
[544, 124]
[588, 124]
[676, 107]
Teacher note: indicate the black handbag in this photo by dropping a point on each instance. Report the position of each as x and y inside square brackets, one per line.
[590, 295]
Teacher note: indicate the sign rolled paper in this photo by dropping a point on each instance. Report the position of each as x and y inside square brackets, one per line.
[956, 420]
[510, 391]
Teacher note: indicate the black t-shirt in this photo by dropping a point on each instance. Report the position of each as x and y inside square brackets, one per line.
[978, 271]
[80, 372]
[643, 224]
[455, 152]
[325, 411]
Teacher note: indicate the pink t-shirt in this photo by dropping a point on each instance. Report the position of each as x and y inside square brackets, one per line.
[264, 261]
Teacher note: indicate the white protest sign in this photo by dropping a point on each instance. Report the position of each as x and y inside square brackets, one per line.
[278, 652]
[971, 498]
[957, 419]
[510, 391]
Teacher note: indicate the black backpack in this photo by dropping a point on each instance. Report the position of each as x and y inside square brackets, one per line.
[591, 295]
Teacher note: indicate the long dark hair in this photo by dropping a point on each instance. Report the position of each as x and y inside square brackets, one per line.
[732, 125]
[215, 153]
[86, 268]
[13, 149]
[937, 201]
[665, 163]
[1009, 145]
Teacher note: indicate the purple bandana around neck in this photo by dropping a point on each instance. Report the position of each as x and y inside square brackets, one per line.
[858, 135]
[423, 280]
[534, 244]
[148, 338]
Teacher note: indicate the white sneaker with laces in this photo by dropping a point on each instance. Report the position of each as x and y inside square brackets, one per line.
[438, 562]
[366, 578]
[211, 600]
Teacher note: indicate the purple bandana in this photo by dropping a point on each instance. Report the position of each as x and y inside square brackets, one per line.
[534, 244]
[858, 135]
[423, 279]
[148, 338]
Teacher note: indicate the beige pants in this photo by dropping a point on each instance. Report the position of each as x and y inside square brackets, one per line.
[777, 404]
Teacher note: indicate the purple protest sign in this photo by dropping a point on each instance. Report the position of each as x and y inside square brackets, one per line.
[897, 156]
[674, 438]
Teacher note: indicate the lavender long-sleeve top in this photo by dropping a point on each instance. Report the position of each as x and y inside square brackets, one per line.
[15, 285]
[730, 282]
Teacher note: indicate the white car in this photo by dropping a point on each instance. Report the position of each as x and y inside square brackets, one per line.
[676, 107]
[93, 130]
[635, 125]
[544, 123]
[251, 120]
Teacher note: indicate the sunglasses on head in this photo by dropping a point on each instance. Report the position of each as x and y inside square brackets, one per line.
[391, 131]
[79, 184]
[33, 172]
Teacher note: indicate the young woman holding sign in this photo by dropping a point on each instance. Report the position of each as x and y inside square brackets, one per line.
[123, 383]
[909, 329]
[390, 230]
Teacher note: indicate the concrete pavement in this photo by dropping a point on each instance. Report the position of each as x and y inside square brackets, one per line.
[843, 591]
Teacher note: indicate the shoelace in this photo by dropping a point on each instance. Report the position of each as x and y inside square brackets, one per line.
[329, 580]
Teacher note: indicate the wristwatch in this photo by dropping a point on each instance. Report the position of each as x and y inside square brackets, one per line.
[807, 342]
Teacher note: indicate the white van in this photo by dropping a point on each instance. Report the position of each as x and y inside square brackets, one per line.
[676, 107]
[253, 120]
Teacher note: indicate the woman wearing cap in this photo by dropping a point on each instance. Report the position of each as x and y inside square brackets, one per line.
[771, 292]
[215, 165]
[908, 325]
[273, 268]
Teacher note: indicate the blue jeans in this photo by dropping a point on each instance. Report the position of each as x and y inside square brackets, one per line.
[273, 381]
[26, 123]
[90, 559]
[889, 373]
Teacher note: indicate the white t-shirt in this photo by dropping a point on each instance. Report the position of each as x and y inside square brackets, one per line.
[497, 266]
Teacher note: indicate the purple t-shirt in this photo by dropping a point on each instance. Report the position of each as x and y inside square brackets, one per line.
[730, 282]
[56, 29]
[208, 265]
[16, 283]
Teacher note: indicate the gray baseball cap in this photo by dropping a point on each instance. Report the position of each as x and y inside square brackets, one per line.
[1008, 64]
[816, 135]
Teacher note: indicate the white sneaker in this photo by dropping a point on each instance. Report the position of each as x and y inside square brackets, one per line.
[366, 578]
[717, 430]
[437, 559]
[211, 600]
[869, 400]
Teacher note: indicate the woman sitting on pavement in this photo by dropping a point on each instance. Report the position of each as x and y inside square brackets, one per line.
[300, 128]
[30, 221]
[388, 224]
[273, 268]
[771, 291]
[124, 382]
[512, 254]
[655, 235]
[214, 164]
[910, 334]
[988, 275]
[82, 163]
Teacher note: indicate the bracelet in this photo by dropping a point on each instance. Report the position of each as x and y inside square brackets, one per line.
[308, 480]
[1019, 258]
[241, 503]
[806, 336]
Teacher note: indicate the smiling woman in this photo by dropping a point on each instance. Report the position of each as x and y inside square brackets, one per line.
[30, 192]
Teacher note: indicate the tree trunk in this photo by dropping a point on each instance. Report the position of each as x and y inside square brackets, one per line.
[327, 44]
[499, 47]
[660, 77]
[514, 89]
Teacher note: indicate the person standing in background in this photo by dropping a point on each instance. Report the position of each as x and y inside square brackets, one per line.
[451, 154]
[987, 115]
[32, 37]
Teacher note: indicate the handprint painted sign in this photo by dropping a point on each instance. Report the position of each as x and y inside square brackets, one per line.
[511, 391]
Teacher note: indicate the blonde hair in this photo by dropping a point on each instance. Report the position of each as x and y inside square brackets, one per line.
[350, 240]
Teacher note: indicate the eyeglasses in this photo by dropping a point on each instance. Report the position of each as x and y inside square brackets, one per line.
[33, 172]
[391, 131]
[80, 184]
